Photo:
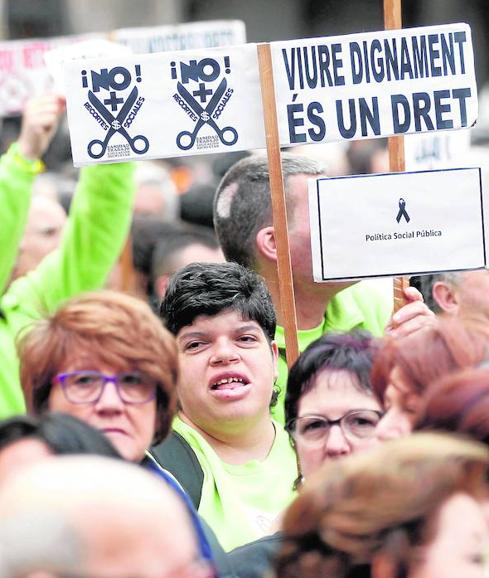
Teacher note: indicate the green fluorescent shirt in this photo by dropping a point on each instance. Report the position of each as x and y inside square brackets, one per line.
[92, 241]
[365, 305]
[242, 502]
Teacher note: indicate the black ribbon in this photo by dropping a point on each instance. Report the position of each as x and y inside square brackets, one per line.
[402, 211]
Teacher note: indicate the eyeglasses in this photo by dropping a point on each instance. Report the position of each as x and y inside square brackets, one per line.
[88, 386]
[355, 425]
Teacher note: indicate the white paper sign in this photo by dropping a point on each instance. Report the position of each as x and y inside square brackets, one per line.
[164, 105]
[396, 224]
[189, 36]
[23, 73]
[375, 84]
[436, 150]
[96, 48]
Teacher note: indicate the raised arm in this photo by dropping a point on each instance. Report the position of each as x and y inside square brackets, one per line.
[18, 168]
[97, 227]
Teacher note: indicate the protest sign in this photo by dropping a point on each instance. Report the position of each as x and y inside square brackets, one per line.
[386, 225]
[436, 150]
[23, 73]
[164, 105]
[188, 36]
[375, 84]
[95, 48]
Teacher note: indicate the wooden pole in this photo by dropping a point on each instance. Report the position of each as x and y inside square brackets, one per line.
[128, 275]
[393, 21]
[284, 269]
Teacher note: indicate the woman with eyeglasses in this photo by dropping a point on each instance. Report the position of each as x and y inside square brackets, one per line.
[330, 412]
[106, 359]
[330, 408]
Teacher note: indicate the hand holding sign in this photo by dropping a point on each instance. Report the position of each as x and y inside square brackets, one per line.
[412, 317]
[39, 124]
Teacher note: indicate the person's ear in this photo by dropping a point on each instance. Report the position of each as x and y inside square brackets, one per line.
[275, 356]
[161, 285]
[265, 243]
[446, 297]
[383, 566]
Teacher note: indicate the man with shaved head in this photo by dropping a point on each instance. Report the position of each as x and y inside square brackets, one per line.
[94, 517]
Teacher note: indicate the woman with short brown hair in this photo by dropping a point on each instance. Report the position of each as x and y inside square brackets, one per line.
[70, 350]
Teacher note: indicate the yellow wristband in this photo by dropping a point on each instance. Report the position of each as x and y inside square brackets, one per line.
[33, 167]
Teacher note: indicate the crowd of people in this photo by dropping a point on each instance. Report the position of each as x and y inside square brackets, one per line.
[150, 426]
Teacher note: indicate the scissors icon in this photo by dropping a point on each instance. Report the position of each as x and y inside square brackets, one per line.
[116, 123]
[186, 139]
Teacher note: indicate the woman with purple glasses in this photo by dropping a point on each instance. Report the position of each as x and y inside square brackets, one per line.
[106, 359]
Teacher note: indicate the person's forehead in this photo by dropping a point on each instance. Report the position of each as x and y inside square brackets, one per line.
[225, 320]
[46, 211]
[197, 252]
[338, 383]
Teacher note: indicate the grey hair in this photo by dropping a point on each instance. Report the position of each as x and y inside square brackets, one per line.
[242, 205]
[424, 284]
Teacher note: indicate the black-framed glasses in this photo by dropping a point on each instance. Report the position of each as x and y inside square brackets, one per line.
[356, 425]
[88, 386]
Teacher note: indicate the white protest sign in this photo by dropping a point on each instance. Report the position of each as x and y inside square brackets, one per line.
[164, 105]
[95, 48]
[396, 224]
[436, 150]
[23, 73]
[188, 36]
[375, 84]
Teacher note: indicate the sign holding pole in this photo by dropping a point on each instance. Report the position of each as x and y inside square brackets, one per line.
[393, 21]
[284, 269]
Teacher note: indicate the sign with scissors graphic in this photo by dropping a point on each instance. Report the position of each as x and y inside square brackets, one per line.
[164, 105]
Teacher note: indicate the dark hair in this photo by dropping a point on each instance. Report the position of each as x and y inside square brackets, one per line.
[62, 434]
[209, 288]
[181, 237]
[424, 284]
[242, 205]
[196, 204]
[458, 403]
[146, 232]
[352, 352]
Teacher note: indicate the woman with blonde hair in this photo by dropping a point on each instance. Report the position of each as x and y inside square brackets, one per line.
[409, 508]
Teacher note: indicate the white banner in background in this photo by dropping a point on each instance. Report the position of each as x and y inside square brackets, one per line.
[23, 73]
[164, 105]
[375, 84]
[188, 36]
[388, 225]
[436, 150]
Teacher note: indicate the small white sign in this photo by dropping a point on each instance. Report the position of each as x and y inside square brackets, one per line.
[164, 105]
[375, 84]
[23, 72]
[396, 224]
[436, 150]
[188, 36]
